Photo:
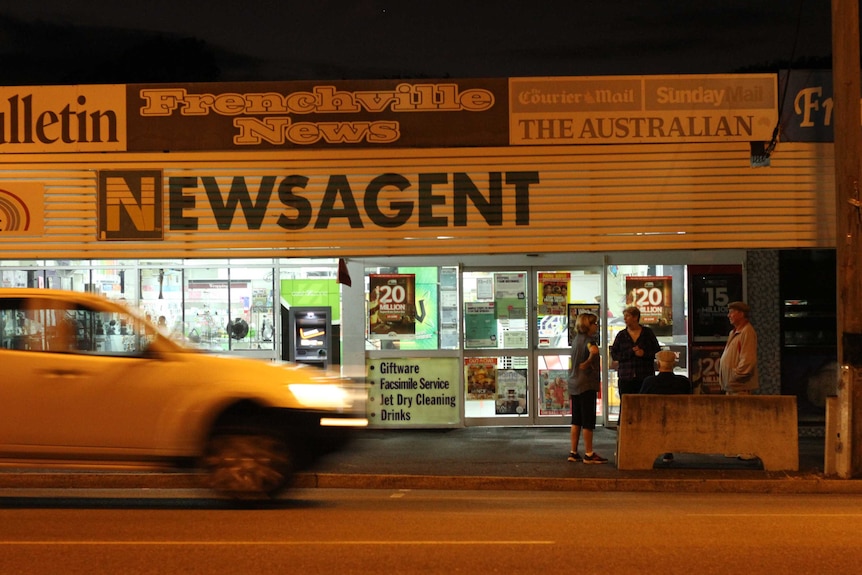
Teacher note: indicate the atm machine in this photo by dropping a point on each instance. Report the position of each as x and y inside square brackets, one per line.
[310, 330]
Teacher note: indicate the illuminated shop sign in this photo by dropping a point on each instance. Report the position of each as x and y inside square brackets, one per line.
[413, 391]
[642, 109]
[22, 208]
[381, 114]
[62, 119]
[357, 114]
[130, 205]
[808, 111]
[130, 202]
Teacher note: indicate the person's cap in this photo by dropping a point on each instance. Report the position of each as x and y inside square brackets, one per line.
[666, 357]
[739, 306]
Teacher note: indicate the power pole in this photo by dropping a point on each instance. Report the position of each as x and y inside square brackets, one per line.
[848, 231]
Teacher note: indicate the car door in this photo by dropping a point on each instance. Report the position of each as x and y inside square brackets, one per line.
[82, 384]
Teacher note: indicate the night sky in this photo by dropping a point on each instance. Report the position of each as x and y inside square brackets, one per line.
[326, 39]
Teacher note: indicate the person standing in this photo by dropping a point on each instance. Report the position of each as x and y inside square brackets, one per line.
[583, 386]
[634, 350]
[666, 382]
[737, 366]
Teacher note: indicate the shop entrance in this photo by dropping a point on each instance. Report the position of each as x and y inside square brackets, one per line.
[517, 341]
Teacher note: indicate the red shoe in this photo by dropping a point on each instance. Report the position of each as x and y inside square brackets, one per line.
[594, 458]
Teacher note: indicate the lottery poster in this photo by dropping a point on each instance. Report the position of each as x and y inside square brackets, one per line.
[711, 289]
[392, 305]
[653, 296]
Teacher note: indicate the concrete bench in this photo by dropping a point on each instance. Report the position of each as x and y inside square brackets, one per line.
[764, 425]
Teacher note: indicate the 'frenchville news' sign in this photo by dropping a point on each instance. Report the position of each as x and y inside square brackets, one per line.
[379, 114]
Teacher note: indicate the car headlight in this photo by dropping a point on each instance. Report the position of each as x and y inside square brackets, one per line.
[320, 396]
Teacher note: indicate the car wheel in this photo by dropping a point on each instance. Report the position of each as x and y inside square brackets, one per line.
[248, 466]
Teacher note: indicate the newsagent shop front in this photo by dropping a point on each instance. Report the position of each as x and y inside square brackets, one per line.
[433, 238]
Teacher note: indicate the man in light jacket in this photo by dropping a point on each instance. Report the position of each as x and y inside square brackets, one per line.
[738, 363]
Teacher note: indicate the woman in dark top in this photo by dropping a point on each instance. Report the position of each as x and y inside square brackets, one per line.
[634, 350]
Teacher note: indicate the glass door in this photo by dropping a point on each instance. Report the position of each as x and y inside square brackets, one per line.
[659, 292]
[516, 342]
[561, 294]
[496, 339]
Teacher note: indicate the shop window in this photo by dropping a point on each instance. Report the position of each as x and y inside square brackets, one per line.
[496, 386]
[659, 292]
[162, 299]
[251, 324]
[495, 310]
[412, 308]
[206, 310]
[229, 309]
[13, 278]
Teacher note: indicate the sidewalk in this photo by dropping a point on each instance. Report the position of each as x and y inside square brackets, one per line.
[535, 458]
[510, 458]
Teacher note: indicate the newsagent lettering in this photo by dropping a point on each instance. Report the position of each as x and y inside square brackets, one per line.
[430, 200]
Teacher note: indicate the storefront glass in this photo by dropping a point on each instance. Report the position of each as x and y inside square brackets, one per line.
[495, 310]
[561, 296]
[496, 387]
[229, 308]
[660, 293]
[412, 308]
[162, 298]
[517, 321]
[206, 309]
[251, 323]
[116, 280]
[508, 335]
[13, 278]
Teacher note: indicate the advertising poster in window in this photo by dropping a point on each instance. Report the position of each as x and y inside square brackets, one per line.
[449, 328]
[426, 308]
[704, 368]
[480, 374]
[392, 306]
[511, 392]
[553, 292]
[510, 294]
[553, 387]
[576, 309]
[711, 289]
[480, 324]
[406, 392]
[485, 289]
[652, 295]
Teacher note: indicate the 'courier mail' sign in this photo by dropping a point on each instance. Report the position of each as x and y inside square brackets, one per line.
[642, 109]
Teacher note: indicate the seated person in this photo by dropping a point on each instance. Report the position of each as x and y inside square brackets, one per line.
[666, 382]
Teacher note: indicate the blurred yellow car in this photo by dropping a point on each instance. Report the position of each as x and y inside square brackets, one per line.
[88, 383]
